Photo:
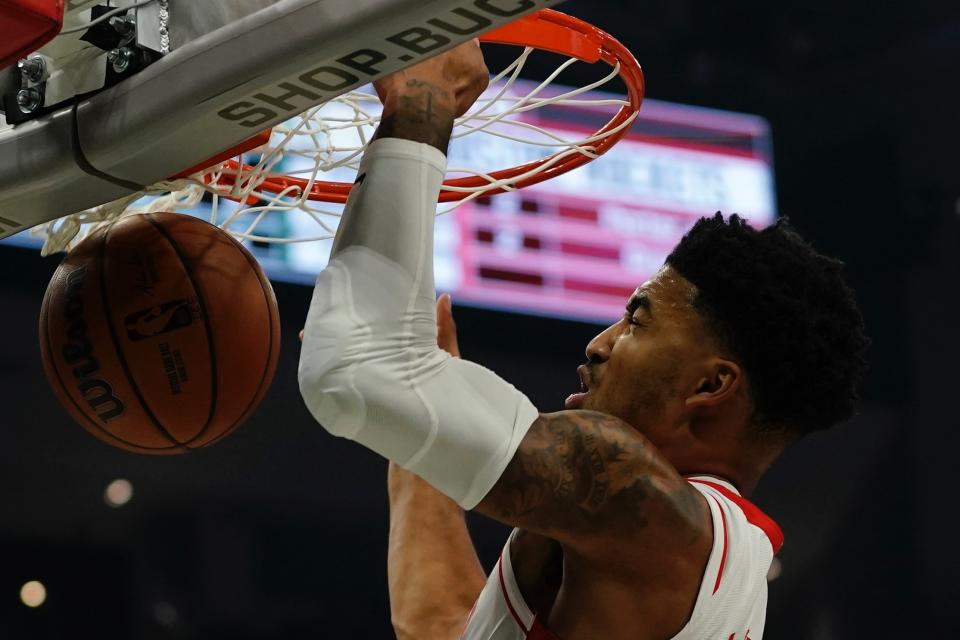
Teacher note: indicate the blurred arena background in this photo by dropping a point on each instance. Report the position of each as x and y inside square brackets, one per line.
[280, 531]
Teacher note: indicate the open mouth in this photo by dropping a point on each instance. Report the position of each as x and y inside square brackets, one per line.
[576, 400]
[585, 378]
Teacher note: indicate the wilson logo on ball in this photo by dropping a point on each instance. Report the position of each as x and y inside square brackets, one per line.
[161, 319]
[78, 352]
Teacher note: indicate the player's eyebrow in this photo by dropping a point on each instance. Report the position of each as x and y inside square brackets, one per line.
[639, 300]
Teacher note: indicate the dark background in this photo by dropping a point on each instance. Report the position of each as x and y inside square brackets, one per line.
[280, 531]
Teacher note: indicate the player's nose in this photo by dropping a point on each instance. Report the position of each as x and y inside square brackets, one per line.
[598, 349]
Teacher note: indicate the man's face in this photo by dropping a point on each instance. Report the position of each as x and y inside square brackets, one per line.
[642, 368]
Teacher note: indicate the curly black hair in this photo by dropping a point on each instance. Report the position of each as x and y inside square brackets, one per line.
[785, 313]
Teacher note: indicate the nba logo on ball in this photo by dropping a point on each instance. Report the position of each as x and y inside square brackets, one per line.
[161, 319]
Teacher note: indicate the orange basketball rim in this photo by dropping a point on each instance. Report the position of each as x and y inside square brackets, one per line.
[547, 30]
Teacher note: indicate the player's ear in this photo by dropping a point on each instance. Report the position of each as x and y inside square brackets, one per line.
[719, 381]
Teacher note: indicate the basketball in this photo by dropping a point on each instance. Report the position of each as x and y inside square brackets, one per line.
[159, 333]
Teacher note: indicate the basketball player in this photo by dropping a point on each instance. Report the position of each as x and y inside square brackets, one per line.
[629, 508]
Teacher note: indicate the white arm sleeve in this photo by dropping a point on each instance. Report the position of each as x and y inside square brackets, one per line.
[370, 368]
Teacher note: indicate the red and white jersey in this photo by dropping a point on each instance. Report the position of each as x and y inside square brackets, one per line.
[732, 602]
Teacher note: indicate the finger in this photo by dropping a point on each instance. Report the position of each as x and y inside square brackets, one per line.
[444, 321]
[301, 336]
[446, 327]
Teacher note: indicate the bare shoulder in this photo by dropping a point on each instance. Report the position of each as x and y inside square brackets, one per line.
[588, 480]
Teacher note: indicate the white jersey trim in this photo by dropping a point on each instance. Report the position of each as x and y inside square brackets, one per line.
[511, 590]
[711, 573]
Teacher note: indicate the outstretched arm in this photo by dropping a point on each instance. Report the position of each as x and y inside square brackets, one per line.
[432, 568]
[433, 571]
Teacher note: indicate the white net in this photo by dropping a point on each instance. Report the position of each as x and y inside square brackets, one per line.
[325, 144]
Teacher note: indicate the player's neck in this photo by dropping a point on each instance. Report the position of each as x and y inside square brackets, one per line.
[726, 447]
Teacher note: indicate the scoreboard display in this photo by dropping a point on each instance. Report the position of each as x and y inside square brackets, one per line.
[577, 246]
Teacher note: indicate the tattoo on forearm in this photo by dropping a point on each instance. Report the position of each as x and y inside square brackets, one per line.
[420, 115]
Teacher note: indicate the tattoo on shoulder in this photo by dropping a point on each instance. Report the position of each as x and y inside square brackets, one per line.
[576, 467]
